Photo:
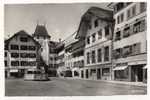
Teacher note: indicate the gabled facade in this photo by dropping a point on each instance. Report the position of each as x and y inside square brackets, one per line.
[20, 54]
[96, 28]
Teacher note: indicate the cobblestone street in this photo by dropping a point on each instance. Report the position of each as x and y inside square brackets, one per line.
[69, 87]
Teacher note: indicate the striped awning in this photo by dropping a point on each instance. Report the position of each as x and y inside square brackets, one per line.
[120, 68]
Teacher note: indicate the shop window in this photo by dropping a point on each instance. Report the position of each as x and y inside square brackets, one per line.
[126, 32]
[106, 53]
[100, 34]
[92, 71]
[14, 63]
[96, 23]
[118, 36]
[23, 39]
[121, 74]
[14, 47]
[93, 37]
[105, 71]
[99, 51]
[24, 47]
[93, 57]
[15, 55]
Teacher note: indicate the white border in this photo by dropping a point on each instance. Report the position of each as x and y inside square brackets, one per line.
[2, 80]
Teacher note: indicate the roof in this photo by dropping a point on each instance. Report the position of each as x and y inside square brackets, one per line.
[100, 13]
[41, 31]
[22, 32]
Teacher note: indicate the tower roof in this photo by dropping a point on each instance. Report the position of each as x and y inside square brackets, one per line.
[41, 31]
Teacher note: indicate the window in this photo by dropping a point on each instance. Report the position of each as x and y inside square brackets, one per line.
[126, 32]
[5, 54]
[15, 55]
[106, 31]
[93, 37]
[88, 58]
[118, 19]
[32, 55]
[24, 47]
[14, 47]
[105, 71]
[6, 63]
[118, 36]
[99, 51]
[24, 63]
[23, 39]
[100, 34]
[31, 47]
[93, 57]
[133, 10]
[118, 53]
[128, 13]
[139, 26]
[106, 53]
[119, 6]
[14, 63]
[136, 48]
[88, 40]
[96, 23]
[127, 50]
[32, 63]
[122, 17]
[23, 55]
[142, 7]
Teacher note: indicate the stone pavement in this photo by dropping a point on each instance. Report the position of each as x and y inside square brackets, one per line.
[113, 81]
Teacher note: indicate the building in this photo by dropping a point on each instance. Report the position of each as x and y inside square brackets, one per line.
[78, 58]
[60, 59]
[42, 35]
[96, 29]
[129, 41]
[68, 43]
[20, 54]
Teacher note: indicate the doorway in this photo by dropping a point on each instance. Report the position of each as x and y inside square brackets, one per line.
[137, 73]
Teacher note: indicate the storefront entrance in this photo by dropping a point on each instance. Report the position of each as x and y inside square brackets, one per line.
[99, 73]
[136, 73]
[87, 73]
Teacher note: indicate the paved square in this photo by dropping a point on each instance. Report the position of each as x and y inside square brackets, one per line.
[69, 87]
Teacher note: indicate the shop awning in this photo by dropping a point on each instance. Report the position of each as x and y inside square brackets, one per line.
[120, 68]
[14, 70]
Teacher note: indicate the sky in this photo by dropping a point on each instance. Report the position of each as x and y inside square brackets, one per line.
[61, 20]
